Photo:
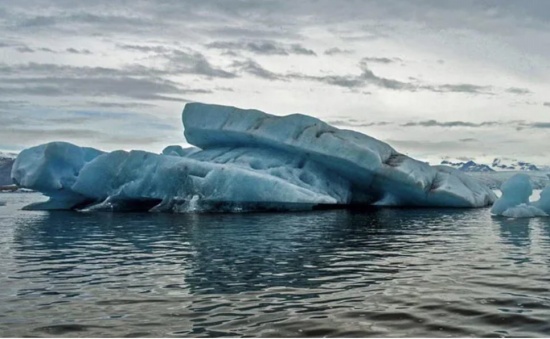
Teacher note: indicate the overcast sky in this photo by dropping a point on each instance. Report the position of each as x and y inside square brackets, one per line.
[432, 78]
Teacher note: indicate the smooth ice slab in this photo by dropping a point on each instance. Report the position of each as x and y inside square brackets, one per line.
[378, 173]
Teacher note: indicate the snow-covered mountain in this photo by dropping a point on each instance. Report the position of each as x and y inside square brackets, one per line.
[6, 163]
[498, 164]
[507, 164]
[467, 166]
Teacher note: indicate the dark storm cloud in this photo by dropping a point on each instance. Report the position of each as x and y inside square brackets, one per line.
[262, 47]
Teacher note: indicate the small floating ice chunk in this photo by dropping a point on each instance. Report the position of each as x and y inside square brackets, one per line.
[514, 202]
[524, 211]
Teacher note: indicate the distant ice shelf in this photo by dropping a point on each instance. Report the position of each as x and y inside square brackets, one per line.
[244, 160]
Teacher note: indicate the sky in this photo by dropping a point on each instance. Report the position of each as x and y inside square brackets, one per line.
[435, 79]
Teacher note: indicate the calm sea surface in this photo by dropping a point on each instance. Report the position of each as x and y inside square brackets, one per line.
[389, 272]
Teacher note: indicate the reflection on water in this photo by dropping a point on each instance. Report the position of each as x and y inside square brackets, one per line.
[514, 231]
[388, 272]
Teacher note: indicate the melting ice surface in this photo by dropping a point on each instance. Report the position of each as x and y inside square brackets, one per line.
[514, 201]
[244, 159]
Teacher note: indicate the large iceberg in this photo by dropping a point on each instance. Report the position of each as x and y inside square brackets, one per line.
[245, 159]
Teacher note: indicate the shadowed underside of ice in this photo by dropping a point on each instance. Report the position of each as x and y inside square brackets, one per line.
[245, 159]
[514, 201]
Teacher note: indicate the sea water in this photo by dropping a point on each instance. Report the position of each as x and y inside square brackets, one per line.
[382, 272]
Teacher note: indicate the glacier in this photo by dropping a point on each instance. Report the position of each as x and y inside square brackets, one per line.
[244, 159]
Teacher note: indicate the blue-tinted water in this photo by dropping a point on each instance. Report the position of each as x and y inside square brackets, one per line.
[391, 272]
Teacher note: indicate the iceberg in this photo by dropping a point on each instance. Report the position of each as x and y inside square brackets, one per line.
[244, 160]
[514, 202]
[53, 169]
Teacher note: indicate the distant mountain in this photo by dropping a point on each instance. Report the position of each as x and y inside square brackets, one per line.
[498, 164]
[467, 166]
[506, 164]
[6, 163]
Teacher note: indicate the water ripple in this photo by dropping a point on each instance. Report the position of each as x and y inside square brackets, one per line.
[388, 272]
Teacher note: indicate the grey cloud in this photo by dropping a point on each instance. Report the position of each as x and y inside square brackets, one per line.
[12, 103]
[103, 104]
[254, 31]
[547, 104]
[437, 146]
[461, 88]
[367, 77]
[262, 47]
[25, 49]
[78, 51]
[132, 82]
[336, 50]
[356, 123]
[517, 90]
[265, 47]
[46, 49]
[252, 67]
[517, 124]
[543, 125]
[37, 21]
[98, 86]
[71, 20]
[381, 60]
[195, 63]
[434, 123]
[225, 89]
[181, 61]
[299, 49]
[159, 49]
[51, 134]
[467, 140]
